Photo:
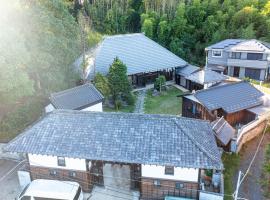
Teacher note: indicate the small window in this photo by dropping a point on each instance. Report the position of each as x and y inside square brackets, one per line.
[179, 185]
[53, 172]
[72, 174]
[61, 161]
[169, 170]
[216, 53]
[157, 183]
[236, 55]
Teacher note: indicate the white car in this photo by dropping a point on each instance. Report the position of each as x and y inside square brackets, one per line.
[42, 189]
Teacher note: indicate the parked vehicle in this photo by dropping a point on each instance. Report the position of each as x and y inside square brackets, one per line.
[42, 189]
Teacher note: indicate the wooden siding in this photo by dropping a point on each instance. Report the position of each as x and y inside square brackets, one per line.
[242, 117]
[150, 191]
[200, 111]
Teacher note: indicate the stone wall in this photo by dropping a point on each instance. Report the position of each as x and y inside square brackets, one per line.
[81, 177]
[249, 135]
[150, 191]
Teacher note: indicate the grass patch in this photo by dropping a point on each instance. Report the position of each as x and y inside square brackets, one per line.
[265, 180]
[16, 121]
[231, 163]
[166, 103]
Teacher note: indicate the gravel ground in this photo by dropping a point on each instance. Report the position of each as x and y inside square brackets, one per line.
[250, 188]
[139, 105]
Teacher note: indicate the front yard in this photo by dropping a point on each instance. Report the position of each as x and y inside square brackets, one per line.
[165, 103]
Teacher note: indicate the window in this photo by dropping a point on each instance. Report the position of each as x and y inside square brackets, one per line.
[157, 183]
[53, 172]
[216, 53]
[253, 73]
[61, 161]
[72, 174]
[236, 55]
[179, 185]
[254, 56]
[169, 170]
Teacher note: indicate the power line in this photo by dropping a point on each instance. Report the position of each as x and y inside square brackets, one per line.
[12, 170]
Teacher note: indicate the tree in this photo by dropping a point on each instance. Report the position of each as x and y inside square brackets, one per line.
[148, 28]
[160, 82]
[118, 80]
[102, 84]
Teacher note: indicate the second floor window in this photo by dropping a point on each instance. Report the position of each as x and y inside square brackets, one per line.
[254, 56]
[236, 55]
[61, 161]
[216, 53]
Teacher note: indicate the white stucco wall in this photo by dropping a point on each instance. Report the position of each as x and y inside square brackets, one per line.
[96, 107]
[51, 161]
[180, 174]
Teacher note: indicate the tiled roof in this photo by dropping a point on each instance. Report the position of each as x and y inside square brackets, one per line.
[230, 97]
[206, 76]
[122, 137]
[138, 52]
[187, 70]
[224, 131]
[76, 98]
[224, 44]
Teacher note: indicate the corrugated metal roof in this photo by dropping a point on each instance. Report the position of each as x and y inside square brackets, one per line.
[206, 76]
[76, 98]
[122, 137]
[187, 70]
[224, 131]
[230, 97]
[138, 52]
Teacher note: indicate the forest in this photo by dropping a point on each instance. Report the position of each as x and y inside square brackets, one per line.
[185, 27]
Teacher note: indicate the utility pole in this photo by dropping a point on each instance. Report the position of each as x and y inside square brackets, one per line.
[238, 185]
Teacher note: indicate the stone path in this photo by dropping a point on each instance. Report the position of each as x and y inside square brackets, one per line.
[139, 105]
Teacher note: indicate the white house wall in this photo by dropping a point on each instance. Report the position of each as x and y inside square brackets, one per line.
[180, 174]
[96, 107]
[51, 162]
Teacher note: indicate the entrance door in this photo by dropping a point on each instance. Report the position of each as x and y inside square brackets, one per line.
[236, 71]
[97, 173]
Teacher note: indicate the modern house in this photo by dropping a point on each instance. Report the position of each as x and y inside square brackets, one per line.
[155, 155]
[84, 97]
[195, 78]
[145, 59]
[240, 58]
[237, 105]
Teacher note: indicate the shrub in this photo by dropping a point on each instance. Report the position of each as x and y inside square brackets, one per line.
[160, 82]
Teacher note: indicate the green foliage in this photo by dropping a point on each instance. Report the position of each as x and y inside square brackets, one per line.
[118, 80]
[231, 163]
[102, 84]
[184, 27]
[160, 82]
[266, 172]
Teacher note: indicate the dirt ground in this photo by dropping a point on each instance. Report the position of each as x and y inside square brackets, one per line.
[250, 188]
[10, 187]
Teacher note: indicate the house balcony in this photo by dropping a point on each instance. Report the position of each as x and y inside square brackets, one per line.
[256, 64]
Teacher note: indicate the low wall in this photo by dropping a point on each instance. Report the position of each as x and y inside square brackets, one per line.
[250, 134]
[8, 155]
[151, 191]
[80, 177]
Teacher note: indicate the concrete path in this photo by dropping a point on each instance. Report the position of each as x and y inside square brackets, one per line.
[139, 105]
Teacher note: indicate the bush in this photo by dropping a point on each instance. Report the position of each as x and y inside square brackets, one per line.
[129, 98]
[118, 104]
[160, 82]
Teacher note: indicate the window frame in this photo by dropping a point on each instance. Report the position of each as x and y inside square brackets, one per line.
[250, 55]
[216, 50]
[171, 170]
[61, 161]
[234, 55]
[157, 183]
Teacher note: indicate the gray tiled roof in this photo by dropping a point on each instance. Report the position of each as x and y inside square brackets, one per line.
[122, 137]
[187, 70]
[250, 45]
[224, 44]
[206, 76]
[224, 131]
[137, 51]
[230, 97]
[76, 98]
